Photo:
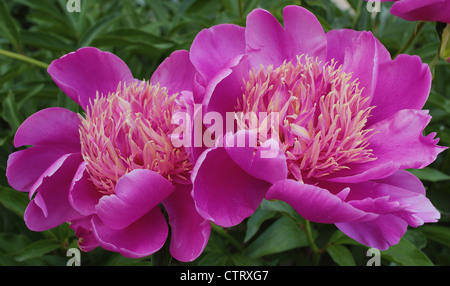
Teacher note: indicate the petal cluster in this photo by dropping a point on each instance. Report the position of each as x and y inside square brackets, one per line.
[350, 123]
[110, 171]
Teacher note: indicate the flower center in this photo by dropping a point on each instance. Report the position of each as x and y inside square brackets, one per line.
[129, 130]
[321, 115]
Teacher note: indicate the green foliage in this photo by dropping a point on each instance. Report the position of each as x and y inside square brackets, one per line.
[143, 32]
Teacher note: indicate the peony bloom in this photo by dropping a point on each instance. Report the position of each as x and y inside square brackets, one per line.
[350, 121]
[108, 172]
[421, 10]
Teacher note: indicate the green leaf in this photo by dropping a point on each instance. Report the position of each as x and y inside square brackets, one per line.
[89, 36]
[281, 207]
[406, 254]
[341, 255]
[240, 259]
[437, 233]
[13, 243]
[10, 112]
[282, 235]
[254, 222]
[338, 238]
[430, 174]
[445, 44]
[37, 249]
[14, 200]
[8, 27]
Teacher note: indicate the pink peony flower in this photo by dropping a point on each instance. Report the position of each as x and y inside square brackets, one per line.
[350, 123]
[107, 172]
[421, 10]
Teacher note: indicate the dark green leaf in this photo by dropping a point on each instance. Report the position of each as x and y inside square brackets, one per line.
[37, 249]
[14, 200]
[282, 235]
[406, 254]
[341, 255]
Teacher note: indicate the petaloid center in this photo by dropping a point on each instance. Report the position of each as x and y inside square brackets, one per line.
[322, 115]
[129, 130]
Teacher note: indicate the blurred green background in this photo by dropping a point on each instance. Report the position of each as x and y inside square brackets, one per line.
[143, 33]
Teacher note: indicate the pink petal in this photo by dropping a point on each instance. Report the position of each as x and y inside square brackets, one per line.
[304, 33]
[265, 39]
[223, 91]
[57, 127]
[213, 48]
[403, 83]
[83, 194]
[50, 207]
[136, 194]
[398, 143]
[399, 200]
[340, 40]
[268, 43]
[380, 233]
[418, 10]
[83, 73]
[230, 182]
[268, 163]
[176, 73]
[190, 232]
[316, 204]
[26, 166]
[143, 237]
[399, 139]
[83, 230]
[361, 59]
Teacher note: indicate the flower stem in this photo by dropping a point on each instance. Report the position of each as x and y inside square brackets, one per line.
[312, 244]
[227, 236]
[411, 38]
[23, 58]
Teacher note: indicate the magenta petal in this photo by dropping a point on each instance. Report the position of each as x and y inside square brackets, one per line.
[190, 232]
[26, 166]
[268, 43]
[399, 139]
[268, 163]
[406, 148]
[83, 73]
[316, 204]
[380, 233]
[340, 40]
[176, 73]
[50, 207]
[143, 237]
[57, 127]
[403, 83]
[136, 193]
[418, 10]
[223, 192]
[363, 49]
[399, 200]
[212, 48]
[408, 190]
[83, 194]
[83, 230]
[223, 91]
[265, 39]
[304, 32]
